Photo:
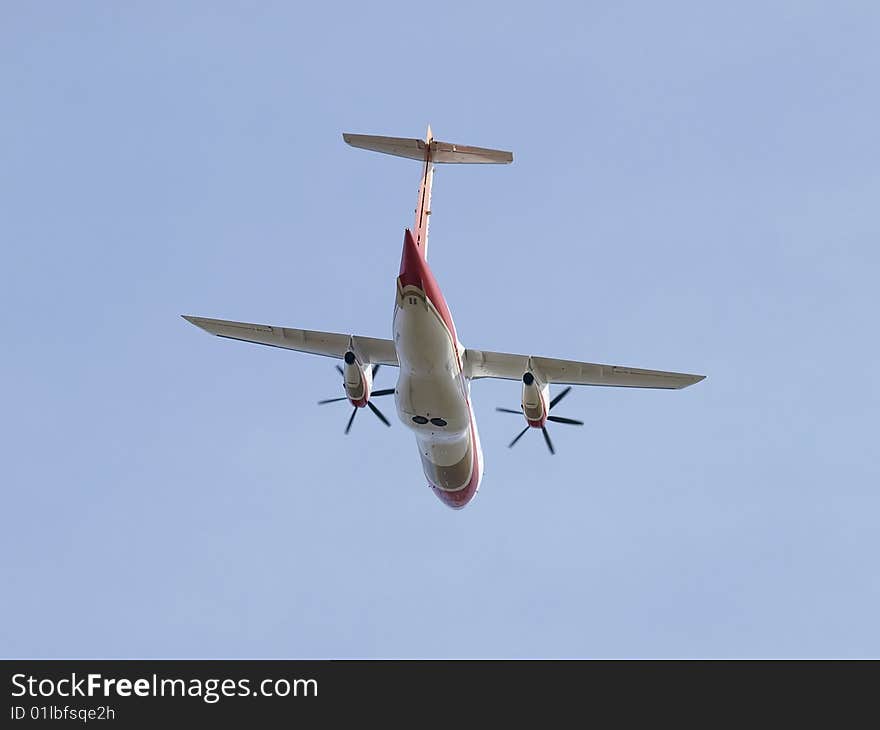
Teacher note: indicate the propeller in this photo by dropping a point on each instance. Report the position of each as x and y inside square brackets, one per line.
[554, 419]
[349, 358]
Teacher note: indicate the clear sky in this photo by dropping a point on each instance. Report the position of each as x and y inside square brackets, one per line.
[694, 188]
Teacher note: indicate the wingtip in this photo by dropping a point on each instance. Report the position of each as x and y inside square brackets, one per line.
[689, 381]
[195, 321]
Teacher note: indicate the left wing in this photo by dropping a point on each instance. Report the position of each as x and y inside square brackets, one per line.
[330, 344]
[484, 364]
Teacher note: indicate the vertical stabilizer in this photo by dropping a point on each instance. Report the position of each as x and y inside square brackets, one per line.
[430, 152]
[423, 207]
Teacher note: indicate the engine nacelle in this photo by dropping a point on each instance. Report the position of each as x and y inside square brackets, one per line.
[535, 399]
[357, 379]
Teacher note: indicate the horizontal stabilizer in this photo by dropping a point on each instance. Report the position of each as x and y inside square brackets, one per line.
[457, 153]
[416, 149]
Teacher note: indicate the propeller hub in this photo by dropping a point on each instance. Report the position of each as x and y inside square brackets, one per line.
[361, 398]
[541, 423]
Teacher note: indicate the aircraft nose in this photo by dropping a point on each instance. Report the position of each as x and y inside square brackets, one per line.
[454, 500]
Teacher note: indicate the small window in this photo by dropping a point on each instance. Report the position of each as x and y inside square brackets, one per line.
[421, 420]
[438, 422]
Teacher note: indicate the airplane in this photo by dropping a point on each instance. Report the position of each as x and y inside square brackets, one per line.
[432, 396]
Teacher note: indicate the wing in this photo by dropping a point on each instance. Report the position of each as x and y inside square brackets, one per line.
[329, 344]
[483, 364]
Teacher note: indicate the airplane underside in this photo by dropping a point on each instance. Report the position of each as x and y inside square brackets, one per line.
[432, 395]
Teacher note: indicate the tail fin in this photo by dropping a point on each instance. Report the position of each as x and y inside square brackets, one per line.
[429, 151]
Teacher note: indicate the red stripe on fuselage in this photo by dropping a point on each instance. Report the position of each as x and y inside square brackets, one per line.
[414, 271]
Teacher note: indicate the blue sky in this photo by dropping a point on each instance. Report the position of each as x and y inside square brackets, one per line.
[695, 188]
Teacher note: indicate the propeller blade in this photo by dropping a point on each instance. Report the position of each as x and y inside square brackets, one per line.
[332, 400]
[341, 371]
[378, 413]
[508, 410]
[547, 439]
[385, 391]
[559, 397]
[376, 369]
[518, 437]
[569, 421]
[351, 420]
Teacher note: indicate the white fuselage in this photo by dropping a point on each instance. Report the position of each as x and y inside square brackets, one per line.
[433, 397]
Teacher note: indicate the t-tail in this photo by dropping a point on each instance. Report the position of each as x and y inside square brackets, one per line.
[429, 151]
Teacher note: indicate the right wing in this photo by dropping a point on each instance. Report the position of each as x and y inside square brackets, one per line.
[484, 364]
[330, 344]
